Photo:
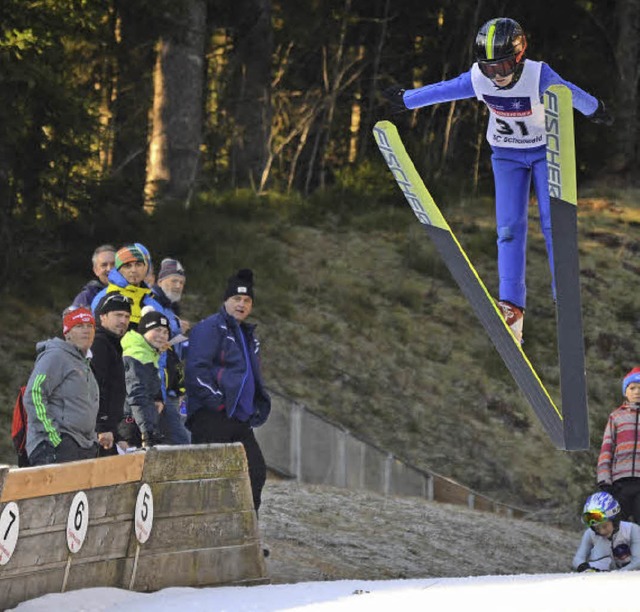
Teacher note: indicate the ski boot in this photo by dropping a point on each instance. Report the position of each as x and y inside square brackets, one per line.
[514, 318]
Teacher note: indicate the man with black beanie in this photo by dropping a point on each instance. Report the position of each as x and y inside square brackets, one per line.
[226, 397]
[114, 311]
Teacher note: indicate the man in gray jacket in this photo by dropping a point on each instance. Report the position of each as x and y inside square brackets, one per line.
[62, 397]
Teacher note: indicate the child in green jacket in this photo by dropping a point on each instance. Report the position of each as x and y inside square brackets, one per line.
[141, 350]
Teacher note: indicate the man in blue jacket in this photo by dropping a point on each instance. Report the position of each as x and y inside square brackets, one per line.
[226, 395]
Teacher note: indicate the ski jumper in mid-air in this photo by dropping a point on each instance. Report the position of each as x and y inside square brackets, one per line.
[512, 88]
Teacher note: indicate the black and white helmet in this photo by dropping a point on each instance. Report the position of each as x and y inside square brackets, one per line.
[500, 46]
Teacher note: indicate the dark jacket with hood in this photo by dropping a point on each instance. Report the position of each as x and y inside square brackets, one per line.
[87, 293]
[108, 367]
[216, 367]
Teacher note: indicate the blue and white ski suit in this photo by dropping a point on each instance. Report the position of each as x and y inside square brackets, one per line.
[517, 137]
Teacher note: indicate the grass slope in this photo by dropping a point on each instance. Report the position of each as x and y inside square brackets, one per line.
[360, 321]
[322, 533]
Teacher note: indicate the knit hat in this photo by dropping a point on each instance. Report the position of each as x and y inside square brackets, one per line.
[631, 377]
[170, 267]
[75, 317]
[132, 252]
[112, 302]
[240, 284]
[151, 319]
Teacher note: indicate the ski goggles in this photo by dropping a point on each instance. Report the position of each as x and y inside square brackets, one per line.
[494, 68]
[594, 517]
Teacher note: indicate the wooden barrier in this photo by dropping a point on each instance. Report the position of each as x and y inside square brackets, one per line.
[173, 516]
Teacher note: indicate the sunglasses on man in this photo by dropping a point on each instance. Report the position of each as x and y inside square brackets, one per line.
[117, 298]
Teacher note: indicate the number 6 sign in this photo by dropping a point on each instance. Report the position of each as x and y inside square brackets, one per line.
[9, 528]
[77, 522]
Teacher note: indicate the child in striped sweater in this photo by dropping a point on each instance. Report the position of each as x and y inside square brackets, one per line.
[619, 459]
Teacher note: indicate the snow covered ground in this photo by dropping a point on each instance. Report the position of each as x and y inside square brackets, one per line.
[522, 593]
[333, 549]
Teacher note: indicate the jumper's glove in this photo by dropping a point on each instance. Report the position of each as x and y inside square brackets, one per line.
[393, 95]
[585, 567]
[602, 115]
[605, 487]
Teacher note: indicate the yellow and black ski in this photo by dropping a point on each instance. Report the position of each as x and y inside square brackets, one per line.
[467, 278]
[561, 165]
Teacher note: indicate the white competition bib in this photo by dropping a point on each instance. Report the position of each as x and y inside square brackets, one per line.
[517, 114]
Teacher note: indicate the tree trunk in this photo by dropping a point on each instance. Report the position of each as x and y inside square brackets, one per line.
[107, 85]
[333, 87]
[354, 126]
[174, 148]
[374, 85]
[627, 53]
[250, 95]
[134, 91]
[6, 215]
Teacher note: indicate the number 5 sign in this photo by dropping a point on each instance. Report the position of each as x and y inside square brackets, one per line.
[143, 517]
[9, 528]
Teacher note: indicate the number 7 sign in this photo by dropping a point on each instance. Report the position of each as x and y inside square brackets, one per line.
[9, 528]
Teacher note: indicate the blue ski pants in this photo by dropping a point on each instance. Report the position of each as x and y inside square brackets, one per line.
[513, 170]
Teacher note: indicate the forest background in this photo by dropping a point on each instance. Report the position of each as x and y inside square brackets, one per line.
[239, 134]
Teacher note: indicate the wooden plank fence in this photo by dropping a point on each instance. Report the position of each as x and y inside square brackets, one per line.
[171, 516]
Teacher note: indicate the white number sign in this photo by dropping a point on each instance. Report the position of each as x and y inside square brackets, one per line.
[77, 522]
[143, 516]
[9, 528]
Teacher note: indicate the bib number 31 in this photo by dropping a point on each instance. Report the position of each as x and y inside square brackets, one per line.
[505, 128]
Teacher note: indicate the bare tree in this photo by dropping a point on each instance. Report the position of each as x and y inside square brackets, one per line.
[627, 54]
[365, 136]
[174, 148]
[249, 98]
[132, 96]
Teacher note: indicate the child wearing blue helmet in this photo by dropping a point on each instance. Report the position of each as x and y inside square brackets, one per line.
[609, 543]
